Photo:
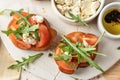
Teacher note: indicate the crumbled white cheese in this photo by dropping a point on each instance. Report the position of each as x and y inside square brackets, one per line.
[60, 1]
[95, 5]
[37, 18]
[66, 53]
[76, 10]
[68, 2]
[28, 39]
[63, 8]
[83, 8]
[77, 3]
[85, 42]
[87, 9]
[59, 7]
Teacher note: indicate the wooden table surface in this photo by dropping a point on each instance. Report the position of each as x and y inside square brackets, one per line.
[113, 73]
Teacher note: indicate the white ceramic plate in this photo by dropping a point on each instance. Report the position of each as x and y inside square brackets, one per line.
[45, 68]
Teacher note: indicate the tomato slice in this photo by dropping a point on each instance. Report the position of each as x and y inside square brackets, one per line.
[75, 36]
[17, 17]
[44, 36]
[19, 43]
[62, 65]
[91, 39]
[79, 36]
[65, 67]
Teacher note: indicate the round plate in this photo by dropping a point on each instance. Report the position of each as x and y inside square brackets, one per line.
[45, 68]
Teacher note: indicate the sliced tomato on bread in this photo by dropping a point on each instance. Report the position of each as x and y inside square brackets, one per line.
[75, 37]
[47, 34]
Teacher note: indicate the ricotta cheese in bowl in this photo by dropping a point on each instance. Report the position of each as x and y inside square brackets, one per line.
[86, 9]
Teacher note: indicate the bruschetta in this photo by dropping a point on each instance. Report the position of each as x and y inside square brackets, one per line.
[67, 57]
[30, 31]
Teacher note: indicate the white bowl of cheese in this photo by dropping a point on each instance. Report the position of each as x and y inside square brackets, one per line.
[86, 9]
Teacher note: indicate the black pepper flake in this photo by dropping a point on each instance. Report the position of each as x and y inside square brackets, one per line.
[24, 69]
[50, 55]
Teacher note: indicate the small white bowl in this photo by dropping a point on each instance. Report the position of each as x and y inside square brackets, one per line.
[72, 21]
[101, 28]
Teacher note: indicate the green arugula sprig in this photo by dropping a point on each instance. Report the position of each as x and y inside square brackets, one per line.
[25, 62]
[82, 53]
[25, 26]
[65, 58]
[3, 11]
[74, 78]
[21, 30]
[78, 19]
[67, 48]
[22, 18]
[100, 38]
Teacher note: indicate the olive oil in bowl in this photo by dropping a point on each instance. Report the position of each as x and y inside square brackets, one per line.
[111, 21]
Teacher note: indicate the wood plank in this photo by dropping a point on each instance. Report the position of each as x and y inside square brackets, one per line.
[113, 73]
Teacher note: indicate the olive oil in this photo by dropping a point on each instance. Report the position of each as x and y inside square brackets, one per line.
[112, 26]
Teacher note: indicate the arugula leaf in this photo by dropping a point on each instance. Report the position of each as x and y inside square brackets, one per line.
[21, 10]
[11, 13]
[82, 53]
[37, 35]
[28, 16]
[98, 53]
[78, 19]
[79, 58]
[8, 32]
[100, 38]
[88, 49]
[19, 21]
[67, 48]
[62, 57]
[16, 12]
[33, 28]
[18, 36]
[25, 19]
[19, 13]
[18, 31]
[76, 78]
[25, 62]
[118, 48]
[71, 64]
[3, 11]
[66, 58]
